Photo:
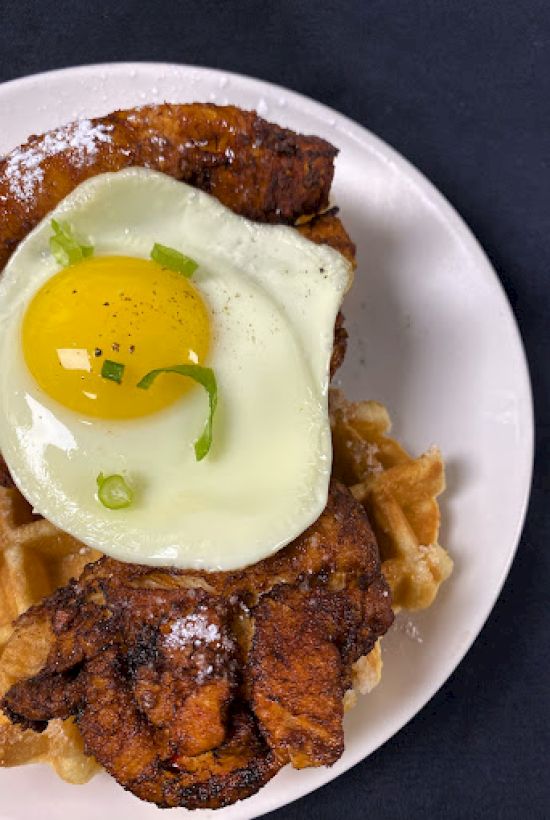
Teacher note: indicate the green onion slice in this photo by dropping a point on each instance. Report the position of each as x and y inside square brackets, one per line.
[65, 248]
[204, 376]
[113, 492]
[173, 260]
[113, 371]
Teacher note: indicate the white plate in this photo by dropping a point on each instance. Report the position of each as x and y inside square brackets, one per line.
[432, 336]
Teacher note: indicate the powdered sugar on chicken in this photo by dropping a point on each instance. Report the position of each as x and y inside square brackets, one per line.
[24, 165]
[192, 629]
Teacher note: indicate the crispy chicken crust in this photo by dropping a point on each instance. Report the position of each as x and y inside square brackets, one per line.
[194, 688]
[327, 229]
[295, 670]
[256, 168]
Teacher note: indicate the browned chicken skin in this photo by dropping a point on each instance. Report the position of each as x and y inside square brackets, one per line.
[327, 229]
[194, 688]
[256, 168]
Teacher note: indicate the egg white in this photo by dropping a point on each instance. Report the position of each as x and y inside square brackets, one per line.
[273, 298]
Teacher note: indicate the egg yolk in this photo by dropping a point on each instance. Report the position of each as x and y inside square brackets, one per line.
[128, 311]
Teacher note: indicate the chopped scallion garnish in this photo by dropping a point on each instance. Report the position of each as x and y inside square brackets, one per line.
[113, 371]
[65, 248]
[113, 492]
[173, 260]
[205, 377]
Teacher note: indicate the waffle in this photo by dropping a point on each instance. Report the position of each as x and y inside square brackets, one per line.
[398, 492]
[35, 559]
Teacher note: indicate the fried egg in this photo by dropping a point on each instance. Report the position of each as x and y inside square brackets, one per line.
[259, 311]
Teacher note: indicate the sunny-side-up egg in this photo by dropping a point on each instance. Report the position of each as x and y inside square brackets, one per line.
[258, 313]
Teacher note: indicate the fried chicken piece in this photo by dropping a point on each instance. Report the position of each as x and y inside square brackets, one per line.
[151, 678]
[296, 679]
[327, 229]
[152, 683]
[234, 771]
[194, 688]
[299, 665]
[45, 697]
[147, 760]
[256, 168]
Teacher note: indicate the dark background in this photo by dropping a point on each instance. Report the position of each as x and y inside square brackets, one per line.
[462, 89]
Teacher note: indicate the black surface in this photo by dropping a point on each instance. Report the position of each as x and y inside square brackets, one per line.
[463, 90]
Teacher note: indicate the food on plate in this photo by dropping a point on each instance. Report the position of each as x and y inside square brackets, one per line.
[41, 558]
[35, 559]
[273, 643]
[258, 310]
[249, 606]
[399, 494]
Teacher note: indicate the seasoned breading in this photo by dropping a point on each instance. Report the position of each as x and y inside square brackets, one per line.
[167, 671]
[295, 669]
[256, 168]
[235, 770]
[327, 229]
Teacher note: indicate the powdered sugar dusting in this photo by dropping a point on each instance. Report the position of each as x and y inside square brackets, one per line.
[193, 628]
[410, 630]
[205, 671]
[413, 632]
[24, 170]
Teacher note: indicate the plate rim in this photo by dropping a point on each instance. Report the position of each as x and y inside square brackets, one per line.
[362, 135]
